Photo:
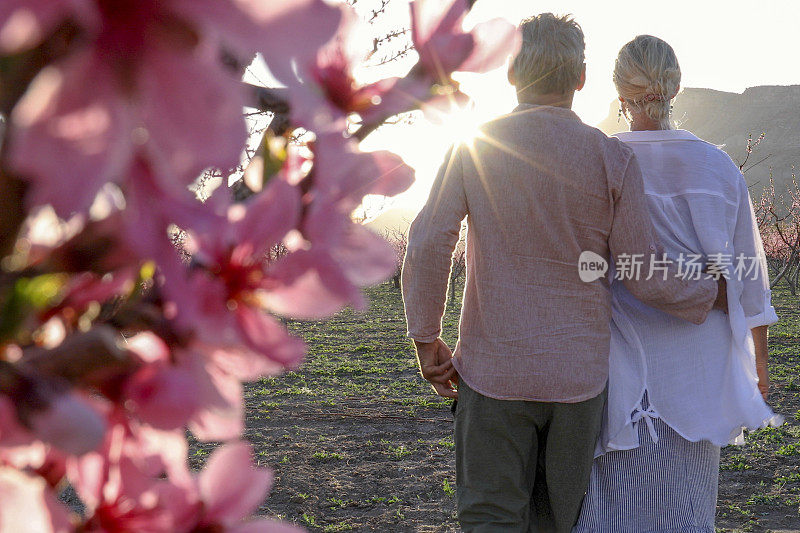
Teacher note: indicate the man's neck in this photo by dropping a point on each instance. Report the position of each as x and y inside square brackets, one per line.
[553, 100]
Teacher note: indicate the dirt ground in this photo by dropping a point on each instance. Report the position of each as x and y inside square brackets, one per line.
[358, 442]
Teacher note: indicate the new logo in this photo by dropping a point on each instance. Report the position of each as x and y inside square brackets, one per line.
[591, 266]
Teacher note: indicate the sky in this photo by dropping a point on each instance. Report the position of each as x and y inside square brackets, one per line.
[727, 45]
[724, 45]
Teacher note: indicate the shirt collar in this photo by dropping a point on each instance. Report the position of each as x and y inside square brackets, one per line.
[656, 135]
[560, 111]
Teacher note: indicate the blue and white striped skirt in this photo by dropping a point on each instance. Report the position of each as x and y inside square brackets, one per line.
[669, 486]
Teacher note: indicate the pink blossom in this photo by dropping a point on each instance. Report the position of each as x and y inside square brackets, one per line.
[231, 490]
[24, 23]
[87, 288]
[140, 482]
[70, 424]
[218, 306]
[444, 47]
[137, 481]
[340, 256]
[330, 79]
[284, 32]
[200, 385]
[163, 396]
[18, 447]
[344, 174]
[139, 86]
[220, 298]
[36, 411]
[28, 504]
[92, 122]
[221, 416]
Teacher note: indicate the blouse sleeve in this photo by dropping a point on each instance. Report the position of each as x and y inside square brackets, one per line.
[750, 264]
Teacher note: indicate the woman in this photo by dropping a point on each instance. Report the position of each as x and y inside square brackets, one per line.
[678, 391]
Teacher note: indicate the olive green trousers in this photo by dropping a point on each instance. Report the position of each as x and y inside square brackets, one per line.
[523, 466]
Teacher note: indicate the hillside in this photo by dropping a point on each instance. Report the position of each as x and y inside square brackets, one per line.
[726, 119]
[391, 220]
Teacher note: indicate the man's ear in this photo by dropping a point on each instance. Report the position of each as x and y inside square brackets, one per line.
[512, 75]
[582, 79]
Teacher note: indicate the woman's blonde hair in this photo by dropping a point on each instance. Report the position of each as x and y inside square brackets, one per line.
[647, 76]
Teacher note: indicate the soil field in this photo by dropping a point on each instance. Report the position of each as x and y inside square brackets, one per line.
[359, 442]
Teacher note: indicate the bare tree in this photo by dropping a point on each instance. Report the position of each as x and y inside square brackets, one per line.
[459, 266]
[398, 238]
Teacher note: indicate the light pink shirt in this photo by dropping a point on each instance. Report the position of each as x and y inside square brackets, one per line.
[538, 187]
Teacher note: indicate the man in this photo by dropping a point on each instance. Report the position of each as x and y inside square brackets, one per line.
[539, 188]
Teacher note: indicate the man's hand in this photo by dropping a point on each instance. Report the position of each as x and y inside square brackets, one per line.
[436, 364]
[721, 302]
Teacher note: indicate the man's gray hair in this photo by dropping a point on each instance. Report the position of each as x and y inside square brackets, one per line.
[552, 55]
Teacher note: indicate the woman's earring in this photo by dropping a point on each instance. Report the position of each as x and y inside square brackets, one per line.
[619, 115]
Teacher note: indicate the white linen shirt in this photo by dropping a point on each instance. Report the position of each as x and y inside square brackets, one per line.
[700, 379]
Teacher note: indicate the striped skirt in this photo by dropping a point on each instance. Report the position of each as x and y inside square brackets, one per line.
[669, 486]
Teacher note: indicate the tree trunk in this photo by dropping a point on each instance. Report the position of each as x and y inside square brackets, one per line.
[785, 270]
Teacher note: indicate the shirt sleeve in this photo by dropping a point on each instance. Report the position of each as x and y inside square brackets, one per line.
[632, 235]
[432, 239]
[750, 264]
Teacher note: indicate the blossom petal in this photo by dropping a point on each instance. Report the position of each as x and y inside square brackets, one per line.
[345, 172]
[192, 112]
[282, 31]
[365, 257]
[265, 525]
[495, 41]
[27, 504]
[445, 53]
[335, 290]
[221, 416]
[230, 487]
[433, 17]
[270, 216]
[268, 337]
[69, 134]
[416, 93]
[69, 424]
[169, 448]
[164, 397]
[303, 294]
[149, 347]
[24, 23]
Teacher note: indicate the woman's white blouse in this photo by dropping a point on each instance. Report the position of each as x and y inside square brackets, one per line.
[700, 379]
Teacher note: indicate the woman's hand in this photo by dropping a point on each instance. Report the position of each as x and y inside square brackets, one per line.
[760, 335]
[763, 380]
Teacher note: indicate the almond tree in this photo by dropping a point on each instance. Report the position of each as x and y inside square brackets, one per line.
[131, 312]
[779, 223]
